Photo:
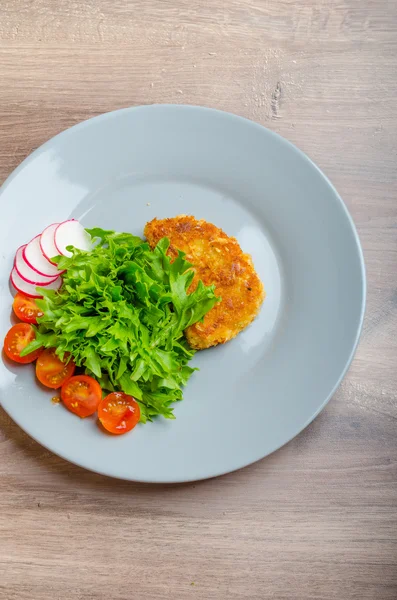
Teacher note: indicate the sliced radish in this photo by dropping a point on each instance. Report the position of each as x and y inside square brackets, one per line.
[23, 286]
[47, 243]
[26, 273]
[54, 285]
[71, 233]
[34, 257]
[29, 289]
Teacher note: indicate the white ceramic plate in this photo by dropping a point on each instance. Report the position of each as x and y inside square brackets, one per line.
[254, 394]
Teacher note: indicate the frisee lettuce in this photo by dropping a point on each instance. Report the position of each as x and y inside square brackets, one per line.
[121, 313]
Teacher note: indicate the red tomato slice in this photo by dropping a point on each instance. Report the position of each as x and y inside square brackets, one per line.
[119, 413]
[51, 371]
[16, 340]
[26, 309]
[81, 395]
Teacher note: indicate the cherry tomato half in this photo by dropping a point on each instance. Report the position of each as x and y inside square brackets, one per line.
[119, 413]
[16, 340]
[26, 309]
[51, 371]
[81, 394]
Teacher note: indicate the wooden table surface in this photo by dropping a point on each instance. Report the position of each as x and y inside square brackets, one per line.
[317, 519]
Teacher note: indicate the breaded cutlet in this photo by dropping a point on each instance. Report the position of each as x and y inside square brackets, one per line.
[219, 260]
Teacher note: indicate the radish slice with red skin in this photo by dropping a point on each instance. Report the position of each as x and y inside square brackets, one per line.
[27, 274]
[54, 285]
[29, 289]
[47, 243]
[34, 257]
[71, 233]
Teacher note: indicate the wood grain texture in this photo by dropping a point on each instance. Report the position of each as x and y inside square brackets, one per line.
[318, 519]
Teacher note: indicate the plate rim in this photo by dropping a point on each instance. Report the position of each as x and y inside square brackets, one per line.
[292, 147]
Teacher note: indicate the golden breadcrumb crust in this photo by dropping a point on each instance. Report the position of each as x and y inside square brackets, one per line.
[217, 259]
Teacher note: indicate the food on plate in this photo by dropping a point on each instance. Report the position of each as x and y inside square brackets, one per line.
[34, 266]
[26, 272]
[17, 339]
[51, 371]
[36, 260]
[129, 314]
[71, 233]
[81, 394]
[47, 243]
[121, 313]
[218, 260]
[118, 413]
[26, 309]
[22, 286]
